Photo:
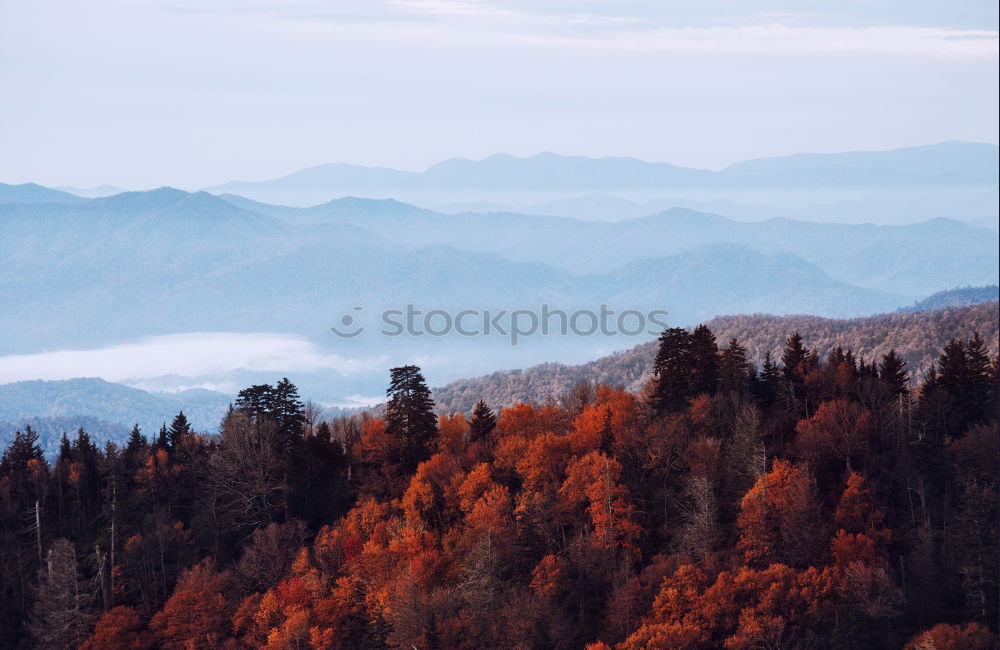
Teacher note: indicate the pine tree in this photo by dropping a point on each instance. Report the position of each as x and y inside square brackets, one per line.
[482, 423]
[136, 441]
[793, 359]
[768, 383]
[704, 362]
[734, 368]
[162, 438]
[892, 373]
[22, 449]
[980, 399]
[65, 449]
[409, 415]
[672, 371]
[287, 410]
[279, 403]
[256, 400]
[179, 429]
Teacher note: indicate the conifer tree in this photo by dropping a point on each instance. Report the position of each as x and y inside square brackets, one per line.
[287, 410]
[892, 373]
[162, 438]
[704, 361]
[768, 383]
[136, 441]
[793, 357]
[734, 368]
[22, 449]
[179, 428]
[672, 370]
[409, 415]
[482, 423]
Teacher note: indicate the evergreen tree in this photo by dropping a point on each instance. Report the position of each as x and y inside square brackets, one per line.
[980, 394]
[279, 403]
[793, 358]
[482, 423]
[256, 400]
[136, 441]
[768, 383]
[672, 371]
[868, 371]
[409, 415]
[323, 431]
[287, 410]
[162, 438]
[179, 429]
[22, 449]
[65, 450]
[704, 362]
[892, 373]
[962, 402]
[734, 368]
[953, 368]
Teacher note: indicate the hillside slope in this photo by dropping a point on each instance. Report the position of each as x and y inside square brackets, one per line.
[918, 337]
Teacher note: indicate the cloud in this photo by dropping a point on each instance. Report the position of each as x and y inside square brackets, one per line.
[264, 87]
[201, 354]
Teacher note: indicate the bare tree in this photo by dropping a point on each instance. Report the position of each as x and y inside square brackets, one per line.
[61, 614]
[247, 470]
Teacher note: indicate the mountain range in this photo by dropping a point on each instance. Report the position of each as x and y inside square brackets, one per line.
[104, 409]
[947, 163]
[950, 179]
[168, 261]
[80, 275]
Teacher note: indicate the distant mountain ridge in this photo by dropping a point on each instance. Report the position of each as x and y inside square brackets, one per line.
[197, 262]
[34, 193]
[915, 259]
[956, 298]
[108, 402]
[943, 163]
[918, 337]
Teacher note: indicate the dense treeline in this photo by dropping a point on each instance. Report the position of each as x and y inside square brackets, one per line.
[916, 337]
[816, 501]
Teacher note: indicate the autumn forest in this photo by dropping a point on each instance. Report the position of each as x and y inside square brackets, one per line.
[807, 502]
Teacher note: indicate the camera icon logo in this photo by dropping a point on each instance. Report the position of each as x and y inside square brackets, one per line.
[347, 321]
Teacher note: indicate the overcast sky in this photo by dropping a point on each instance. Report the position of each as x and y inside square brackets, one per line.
[192, 93]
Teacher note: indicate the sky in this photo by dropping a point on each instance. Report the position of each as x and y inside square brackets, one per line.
[194, 93]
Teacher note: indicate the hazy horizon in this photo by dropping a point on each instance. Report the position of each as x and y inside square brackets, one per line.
[158, 93]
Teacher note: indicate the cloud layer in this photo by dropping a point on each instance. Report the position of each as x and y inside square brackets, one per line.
[180, 356]
[194, 94]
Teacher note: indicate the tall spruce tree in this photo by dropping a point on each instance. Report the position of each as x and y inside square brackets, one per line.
[22, 449]
[734, 368]
[136, 441]
[482, 423]
[768, 383]
[672, 371]
[162, 438]
[179, 428]
[409, 415]
[704, 362]
[793, 358]
[892, 373]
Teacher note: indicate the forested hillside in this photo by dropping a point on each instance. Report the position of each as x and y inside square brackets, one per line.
[819, 501]
[916, 337]
[956, 298]
[103, 408]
